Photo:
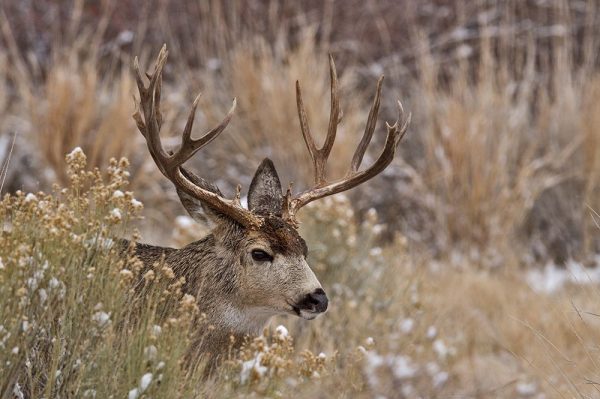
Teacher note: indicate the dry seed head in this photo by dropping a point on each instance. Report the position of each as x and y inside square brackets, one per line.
[135, 264]
[149, 276]
[167, 272]
[126, 276]
[188, 306]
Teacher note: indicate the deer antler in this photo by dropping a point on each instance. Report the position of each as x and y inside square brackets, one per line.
[170, 164]
[319, 156]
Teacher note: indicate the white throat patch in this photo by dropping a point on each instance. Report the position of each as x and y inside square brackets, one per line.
[247, 321]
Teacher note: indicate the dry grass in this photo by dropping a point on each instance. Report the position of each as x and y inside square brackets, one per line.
[501, 160]
[487, 156]
[263, 78]
[397, 326]
[71, 101]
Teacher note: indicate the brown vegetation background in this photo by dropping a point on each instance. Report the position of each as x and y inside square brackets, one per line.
[499, 172]
[501, 151]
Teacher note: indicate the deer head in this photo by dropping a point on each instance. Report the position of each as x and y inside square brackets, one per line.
[256, 255]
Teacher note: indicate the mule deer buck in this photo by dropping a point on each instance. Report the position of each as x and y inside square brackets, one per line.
[252, 265]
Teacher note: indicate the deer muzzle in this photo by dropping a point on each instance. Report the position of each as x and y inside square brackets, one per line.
[312, 305]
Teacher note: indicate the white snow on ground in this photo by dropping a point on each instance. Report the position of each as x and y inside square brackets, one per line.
[250, 366]
[431, 332]
[156, 330]
[438, 376]
[441, 349]
[552, 278]
[17, 392]
[53, 283]
[150, 353]
[401, 366]
[407, 325]
[101, 318]
[145, 381]
[281, 331]
[526, 389]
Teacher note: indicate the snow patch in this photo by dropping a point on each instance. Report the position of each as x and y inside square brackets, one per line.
[136, 205]
[133, 394]
[116, 214]
[553, 278]
[407, 325]
[526, 389]
[76, 151]
[17, 391]
[401, 366]
[431, 332]
[281, 331]
[150, 353]
[252, 366]
[101, 318]
[145, 381]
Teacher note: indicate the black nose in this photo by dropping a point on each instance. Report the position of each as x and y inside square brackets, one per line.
[316, 301]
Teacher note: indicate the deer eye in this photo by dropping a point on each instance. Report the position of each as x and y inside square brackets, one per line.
[261, 256]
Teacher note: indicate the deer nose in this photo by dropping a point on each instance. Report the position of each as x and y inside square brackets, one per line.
[317, 300]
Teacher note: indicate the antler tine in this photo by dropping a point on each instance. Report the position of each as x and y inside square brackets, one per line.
[369, 129]
[319, 155]
[187, 131]
[334, 116]
[304, 126]
[150, 103]
[190, 146]
[170, 164]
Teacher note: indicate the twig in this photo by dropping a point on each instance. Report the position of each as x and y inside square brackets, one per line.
[4, 170]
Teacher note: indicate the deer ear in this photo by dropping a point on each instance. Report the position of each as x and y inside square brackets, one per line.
[265, 195]
[198, 210]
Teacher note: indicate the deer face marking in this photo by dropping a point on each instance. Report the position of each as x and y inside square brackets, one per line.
[276, 275]
[268, 262]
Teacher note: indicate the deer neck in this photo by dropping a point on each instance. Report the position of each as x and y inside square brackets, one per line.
[242, 321]
[211, 277]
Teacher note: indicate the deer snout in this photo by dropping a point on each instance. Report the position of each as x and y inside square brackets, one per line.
[315, 302]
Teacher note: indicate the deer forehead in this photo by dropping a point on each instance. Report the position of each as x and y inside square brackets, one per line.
[280, 237]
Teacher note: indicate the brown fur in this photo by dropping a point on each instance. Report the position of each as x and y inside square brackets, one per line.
[220, 273]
